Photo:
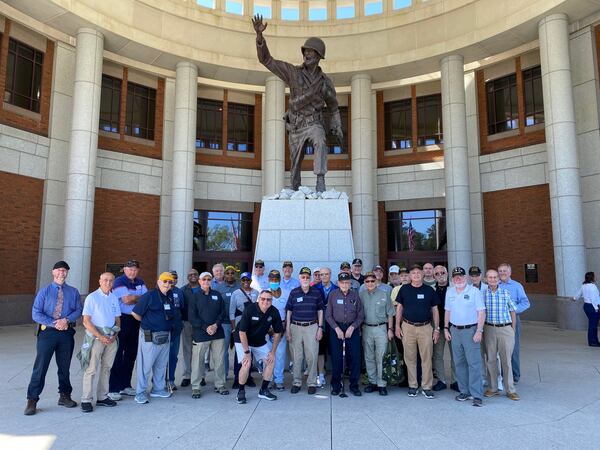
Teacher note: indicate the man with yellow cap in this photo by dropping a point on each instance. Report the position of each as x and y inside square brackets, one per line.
[156, 312]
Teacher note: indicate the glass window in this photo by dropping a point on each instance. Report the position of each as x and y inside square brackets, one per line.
[534, 99]
[290, 10]
[334, 146]
[110, 104]
[317, 10]
[429, 120]
[398, 124]
[264, 8]
[23, 76]
[218, 231]
[234, 6]
[502, 105]
[344, 9]
[373, 7]
[209, 124]
[141, 104]
[416, 230]
[401, 4]
[240, 127]
[206, 3]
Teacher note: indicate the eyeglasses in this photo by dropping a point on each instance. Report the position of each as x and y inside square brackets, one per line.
[206, 279]
[440, 273]
[246, 280]
[259, 266]
[192, 274]
[369, 281]
[168, 282]
[229, 273]
[266, 298]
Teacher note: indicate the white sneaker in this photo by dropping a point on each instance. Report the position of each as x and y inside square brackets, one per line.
[322, 379]
[319, 383]
[115, 396]
[128, 391]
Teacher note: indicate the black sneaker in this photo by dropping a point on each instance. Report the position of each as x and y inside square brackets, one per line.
[454, 387]
[371, 388]
[462, 397]
[202, 382]
[295, 389]
[266, 394]
[477, 402]
[235, 385]
[383, 391]
[86, 407]
[427, 393]
[106, 402]
[186, 382]
[356, 392]
[312, 390]
[439, 386]
[412, 392]
[335, 392]
[241, 397]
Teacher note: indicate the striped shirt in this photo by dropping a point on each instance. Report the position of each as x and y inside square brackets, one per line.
[498, 306]
[304, 306]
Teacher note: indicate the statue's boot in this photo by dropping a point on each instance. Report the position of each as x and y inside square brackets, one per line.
[320, 183]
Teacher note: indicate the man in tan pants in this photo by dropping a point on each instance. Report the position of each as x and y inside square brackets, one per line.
[417, 306]
[101, 319]
[304, 329]
[499, 336]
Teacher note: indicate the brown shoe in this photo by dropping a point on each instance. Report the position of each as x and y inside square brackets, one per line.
[490, 393]
[30, 409]
[66, 401]
[513, 396]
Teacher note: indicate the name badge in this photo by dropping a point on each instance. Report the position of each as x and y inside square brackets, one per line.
[467, 297]
[299, 300]
[340, 301]
[420, 296]
[175, 295]
[254, 318]
[228, 294]
[138, 288]
[167, 307]
[214, 297]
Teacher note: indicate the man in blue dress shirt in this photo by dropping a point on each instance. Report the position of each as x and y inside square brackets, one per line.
[56, 308]
[519, 298]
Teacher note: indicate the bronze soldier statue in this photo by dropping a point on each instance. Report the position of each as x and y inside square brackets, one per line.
[310, 91]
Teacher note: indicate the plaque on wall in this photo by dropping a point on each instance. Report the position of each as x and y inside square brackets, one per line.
[115, 268]
[531, 273]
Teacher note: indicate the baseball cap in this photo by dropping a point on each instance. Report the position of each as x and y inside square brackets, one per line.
[132, 263]
[205, 274]
[377, 267]
[287, 264]
[370, 275]
[343, 276]
[357, 262]
[305, 271]
[416, 266]
[259, 262]
[174, 273]
[61, 265]
[275, 274]
[474, 270]
[245, 275]
[403, 270]
[166, 276]
[230, 268]
[394, 269]
[345, 265]
[458, 271]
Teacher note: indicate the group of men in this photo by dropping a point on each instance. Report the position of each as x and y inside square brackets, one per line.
[265, 316]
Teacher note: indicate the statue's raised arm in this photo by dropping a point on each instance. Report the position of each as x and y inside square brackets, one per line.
[259, 27]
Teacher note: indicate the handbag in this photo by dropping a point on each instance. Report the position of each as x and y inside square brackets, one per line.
[393, 365]
[160, 337]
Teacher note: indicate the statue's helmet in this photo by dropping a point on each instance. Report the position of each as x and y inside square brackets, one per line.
[315, 44]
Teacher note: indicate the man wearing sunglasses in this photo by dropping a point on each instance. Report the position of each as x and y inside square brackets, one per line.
[226, 289]
[128, 288]
[256, 322]
[156, 313]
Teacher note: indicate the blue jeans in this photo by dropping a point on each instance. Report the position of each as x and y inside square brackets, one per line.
[51, 342]
[516, 358]
[280, 356]
[173, 353]
[593, 318]
[227, 330]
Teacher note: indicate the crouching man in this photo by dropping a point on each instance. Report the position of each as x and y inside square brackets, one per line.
[257, 320]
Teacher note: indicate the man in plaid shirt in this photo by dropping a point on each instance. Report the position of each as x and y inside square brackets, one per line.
[499, 335]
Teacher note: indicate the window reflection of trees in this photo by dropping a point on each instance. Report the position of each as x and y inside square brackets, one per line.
[416, 230]
[217, 231]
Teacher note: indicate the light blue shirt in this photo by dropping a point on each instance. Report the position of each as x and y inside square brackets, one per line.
[517, 294]
[290, 284]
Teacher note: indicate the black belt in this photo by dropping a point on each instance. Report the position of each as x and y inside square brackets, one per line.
[416, 324]
[303, 324]
[375, 324]
[464, 327]
[498, 324]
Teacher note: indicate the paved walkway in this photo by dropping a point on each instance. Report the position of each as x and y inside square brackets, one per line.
[560, 408]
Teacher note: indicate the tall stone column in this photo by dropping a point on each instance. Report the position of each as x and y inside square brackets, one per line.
[563, 163]
[83, 148]
[456, 168]
[377, 258]
[273, 167]
[362, 169]
[184, 165]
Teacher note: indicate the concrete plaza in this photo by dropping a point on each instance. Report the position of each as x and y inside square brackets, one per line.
[560, 408]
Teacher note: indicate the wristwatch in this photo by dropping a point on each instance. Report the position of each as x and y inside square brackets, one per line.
[247, 352]
[481, 330]
[446, 328]
[321, 327]
[436, 329]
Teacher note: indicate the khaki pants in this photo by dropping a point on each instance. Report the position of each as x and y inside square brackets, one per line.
[101, 361]
[418, 339]
[374, 346]
[305, 346]
[501, 341]
[217, 350]
[438, 360]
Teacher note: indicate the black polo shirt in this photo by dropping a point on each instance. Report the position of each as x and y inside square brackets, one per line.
[417, 302]
[256, 324]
